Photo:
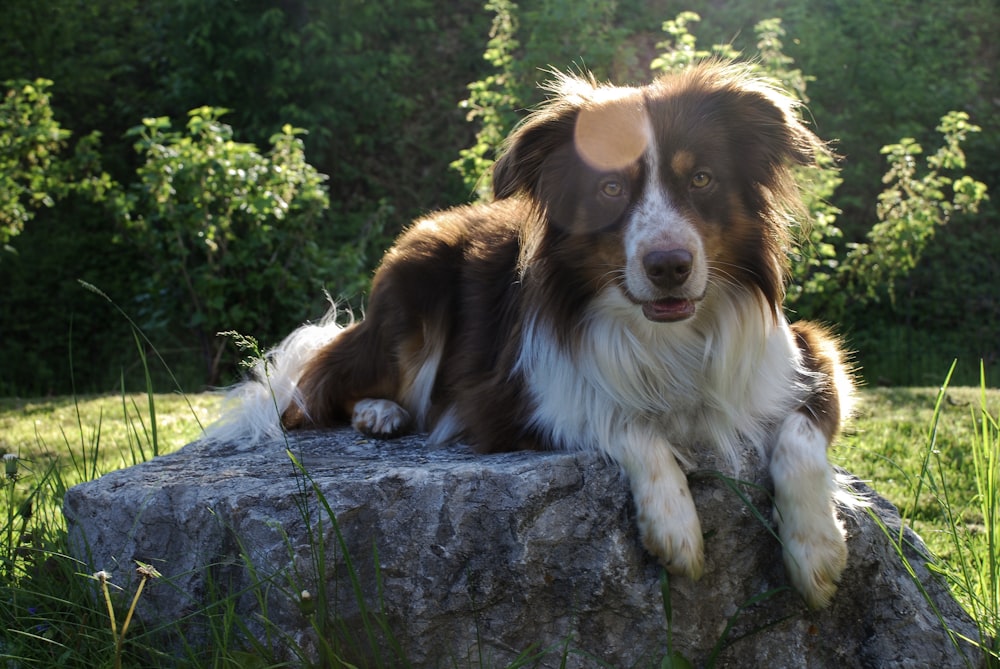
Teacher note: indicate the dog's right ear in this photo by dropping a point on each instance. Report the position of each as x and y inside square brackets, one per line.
[518, 170]
[586, 123]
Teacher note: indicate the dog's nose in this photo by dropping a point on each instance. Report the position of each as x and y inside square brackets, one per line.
[668, 269]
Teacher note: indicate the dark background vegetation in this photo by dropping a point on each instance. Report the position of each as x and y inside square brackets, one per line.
[377, 85]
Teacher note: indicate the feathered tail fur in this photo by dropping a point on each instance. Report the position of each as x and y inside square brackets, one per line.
[252, 409]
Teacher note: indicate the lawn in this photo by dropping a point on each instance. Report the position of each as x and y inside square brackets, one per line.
[115, 429]
[887, 443]
[892, 444]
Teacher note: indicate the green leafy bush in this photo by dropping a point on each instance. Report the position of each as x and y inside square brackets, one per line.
[229, 232]
[33, 171]
[912, 207]
[492, 101]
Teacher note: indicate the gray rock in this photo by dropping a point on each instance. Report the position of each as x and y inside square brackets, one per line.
[471, 560]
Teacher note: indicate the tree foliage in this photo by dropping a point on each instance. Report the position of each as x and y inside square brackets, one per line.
[913, 206]
[228, 231]
[34, 172]
[492, 101]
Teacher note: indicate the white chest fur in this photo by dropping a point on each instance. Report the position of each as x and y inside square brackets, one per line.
[719, 382]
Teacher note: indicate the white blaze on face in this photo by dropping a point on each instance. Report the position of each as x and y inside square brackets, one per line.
[657, 224]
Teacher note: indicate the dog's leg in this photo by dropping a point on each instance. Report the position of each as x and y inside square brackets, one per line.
[814, 547]
[351, 378]
[667, 518]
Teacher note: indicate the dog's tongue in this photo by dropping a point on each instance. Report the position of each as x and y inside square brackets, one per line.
[668, 310]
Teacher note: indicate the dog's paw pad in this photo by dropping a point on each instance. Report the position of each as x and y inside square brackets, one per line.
[379, 418]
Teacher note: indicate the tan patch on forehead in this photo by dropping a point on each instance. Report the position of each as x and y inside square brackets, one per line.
[612, 134]
[682, 162]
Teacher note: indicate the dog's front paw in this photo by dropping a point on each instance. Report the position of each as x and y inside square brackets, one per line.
[671, 531]
[815, 555]
[379, 418]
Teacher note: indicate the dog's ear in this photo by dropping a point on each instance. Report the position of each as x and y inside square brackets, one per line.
[776, 134]
[762, 125]
[772, 139]
[598, 127]
[766, 126]
[518, 171]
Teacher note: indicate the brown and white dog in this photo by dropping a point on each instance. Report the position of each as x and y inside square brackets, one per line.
[623, 293]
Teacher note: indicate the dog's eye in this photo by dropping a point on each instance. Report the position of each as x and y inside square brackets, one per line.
[701, 179]
[612, 188]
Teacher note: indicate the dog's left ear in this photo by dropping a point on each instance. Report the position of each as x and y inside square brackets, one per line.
[518, 171]
[770, 134]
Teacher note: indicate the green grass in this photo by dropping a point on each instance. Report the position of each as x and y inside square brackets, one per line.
[935, 453]
[54, 615]
[887, 442]
[65, 430]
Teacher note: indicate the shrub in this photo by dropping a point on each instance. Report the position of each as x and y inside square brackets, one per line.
[912, 207]
[33, 173]
[229, 232]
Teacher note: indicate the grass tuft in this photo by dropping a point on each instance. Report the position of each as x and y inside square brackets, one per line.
[955, 497]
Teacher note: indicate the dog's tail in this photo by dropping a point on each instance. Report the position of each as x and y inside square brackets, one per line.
[252, 409]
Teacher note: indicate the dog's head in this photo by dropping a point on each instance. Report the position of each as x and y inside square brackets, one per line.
[665, 192]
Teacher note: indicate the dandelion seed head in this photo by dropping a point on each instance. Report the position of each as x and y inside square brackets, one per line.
[306, 603]
[10, 465]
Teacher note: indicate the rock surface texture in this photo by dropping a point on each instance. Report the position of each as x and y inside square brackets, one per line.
[472, 560]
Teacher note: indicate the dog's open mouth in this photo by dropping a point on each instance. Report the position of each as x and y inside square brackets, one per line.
[669, 310]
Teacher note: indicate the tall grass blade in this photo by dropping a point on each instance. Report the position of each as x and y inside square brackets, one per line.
[972, 569]
[374, 624]
[724, 641]
[899, 546]
[986, 461]
[92, 473]
[151, 404]
[138, 332]
[924, 476]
